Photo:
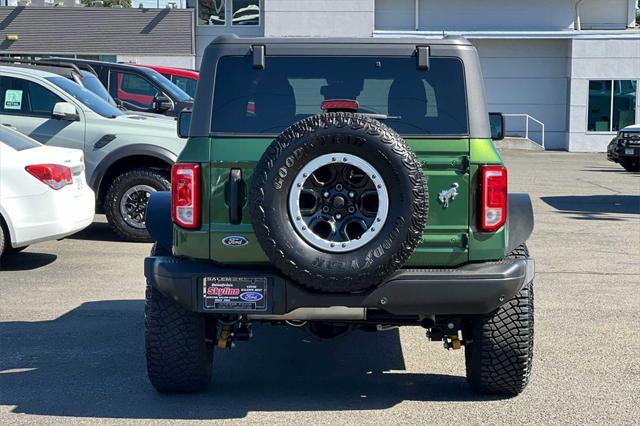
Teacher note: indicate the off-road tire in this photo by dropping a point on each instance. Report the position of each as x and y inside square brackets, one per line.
[630, 165]
[179, 349]
[154, 178]
[499, 352]
[361, 136]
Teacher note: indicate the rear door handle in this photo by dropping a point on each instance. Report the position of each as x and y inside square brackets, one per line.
[235, 196]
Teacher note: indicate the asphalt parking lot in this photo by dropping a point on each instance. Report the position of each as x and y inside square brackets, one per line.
[71, 336]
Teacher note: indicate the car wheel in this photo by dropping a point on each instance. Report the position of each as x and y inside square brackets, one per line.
[339, 202]
[631, 165]
[178, 343]
[126, 202]
[499, 352]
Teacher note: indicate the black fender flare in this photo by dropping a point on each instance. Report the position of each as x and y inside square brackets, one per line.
[128, 151]
[158, 219]
[521, 220]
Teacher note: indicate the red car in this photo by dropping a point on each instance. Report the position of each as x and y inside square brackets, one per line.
[183, 78]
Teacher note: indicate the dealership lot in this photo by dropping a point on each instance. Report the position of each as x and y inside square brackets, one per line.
[71, 343]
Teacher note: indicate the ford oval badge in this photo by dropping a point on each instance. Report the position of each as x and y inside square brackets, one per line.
[251, 296]
[235, 241]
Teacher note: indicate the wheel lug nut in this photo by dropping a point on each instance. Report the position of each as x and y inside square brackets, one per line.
[326, 195]
[351, 195]
[338, 216]
[325, 209]
[351, 209]
[338, 187]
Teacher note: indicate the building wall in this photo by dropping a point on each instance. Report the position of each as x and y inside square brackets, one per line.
[501, 15]
[528, 77]
[592, 60]
[455, 15]
[318, 18]
[605, 14]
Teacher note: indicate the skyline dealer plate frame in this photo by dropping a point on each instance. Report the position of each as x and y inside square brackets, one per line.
[235, 294]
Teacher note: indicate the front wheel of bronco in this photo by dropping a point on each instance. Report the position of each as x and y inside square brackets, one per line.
[178, 344]
[499, 351]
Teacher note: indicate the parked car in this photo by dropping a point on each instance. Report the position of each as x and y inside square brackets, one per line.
[127, 156]
[136, 88]
[187, 80]
[624, 149]
[86, 78]
[334, 186]
[43, 192]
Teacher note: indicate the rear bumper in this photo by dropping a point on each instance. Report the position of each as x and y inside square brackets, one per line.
[471, 289]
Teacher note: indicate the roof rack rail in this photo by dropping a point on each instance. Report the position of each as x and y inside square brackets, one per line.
[63, 62]
[46, 62]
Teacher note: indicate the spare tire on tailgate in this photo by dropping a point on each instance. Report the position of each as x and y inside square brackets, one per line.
[338, 202]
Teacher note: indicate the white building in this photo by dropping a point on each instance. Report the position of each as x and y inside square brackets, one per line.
[573, 65]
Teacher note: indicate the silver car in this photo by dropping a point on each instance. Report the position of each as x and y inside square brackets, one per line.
[127, 157]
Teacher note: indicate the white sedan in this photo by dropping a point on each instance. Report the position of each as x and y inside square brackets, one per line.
[43, 192]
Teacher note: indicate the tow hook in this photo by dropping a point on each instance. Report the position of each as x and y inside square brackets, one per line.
[231, 333]
[452, 342]
[225, 341]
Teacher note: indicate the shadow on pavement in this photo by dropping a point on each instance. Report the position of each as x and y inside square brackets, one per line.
[595, 207]
[26, 261]
[90, 363]
[97, 231]
[615, 169]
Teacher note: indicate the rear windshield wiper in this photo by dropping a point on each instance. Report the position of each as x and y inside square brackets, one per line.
[381, 116]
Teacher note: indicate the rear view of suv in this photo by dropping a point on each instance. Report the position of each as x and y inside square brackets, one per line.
[339, 185]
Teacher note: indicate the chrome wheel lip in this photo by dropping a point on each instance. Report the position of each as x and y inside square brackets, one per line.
[337, 246]
[126, 199]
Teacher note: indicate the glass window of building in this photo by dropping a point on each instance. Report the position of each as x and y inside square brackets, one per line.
[611, 105]
[245, 12]
[211, 12]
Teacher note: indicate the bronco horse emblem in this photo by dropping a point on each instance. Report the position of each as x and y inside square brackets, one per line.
[447, 195]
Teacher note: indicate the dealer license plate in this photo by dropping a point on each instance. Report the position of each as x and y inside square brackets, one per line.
[629, 151]
[235, 293]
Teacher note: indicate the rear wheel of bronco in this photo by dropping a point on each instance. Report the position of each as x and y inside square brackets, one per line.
[178, 343]
[630, 165]
[338, 202]
[126, 202]
[500, 350]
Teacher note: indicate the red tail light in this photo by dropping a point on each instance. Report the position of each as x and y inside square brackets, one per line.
[185, 195]
[55, 176]
[340, 105]
[493, 197]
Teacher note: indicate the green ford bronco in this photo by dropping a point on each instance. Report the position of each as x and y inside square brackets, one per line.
[338, 185]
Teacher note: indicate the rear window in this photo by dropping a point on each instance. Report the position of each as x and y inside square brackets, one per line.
[254, 101]
[16, 140]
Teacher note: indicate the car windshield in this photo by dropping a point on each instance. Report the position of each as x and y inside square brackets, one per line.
[16, 140]
[166, 84]
[94, 85]
[97, 105]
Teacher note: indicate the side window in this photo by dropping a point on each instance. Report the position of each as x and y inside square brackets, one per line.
[42, 100]
[20, 96]
[188, 85]
[132, 89]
